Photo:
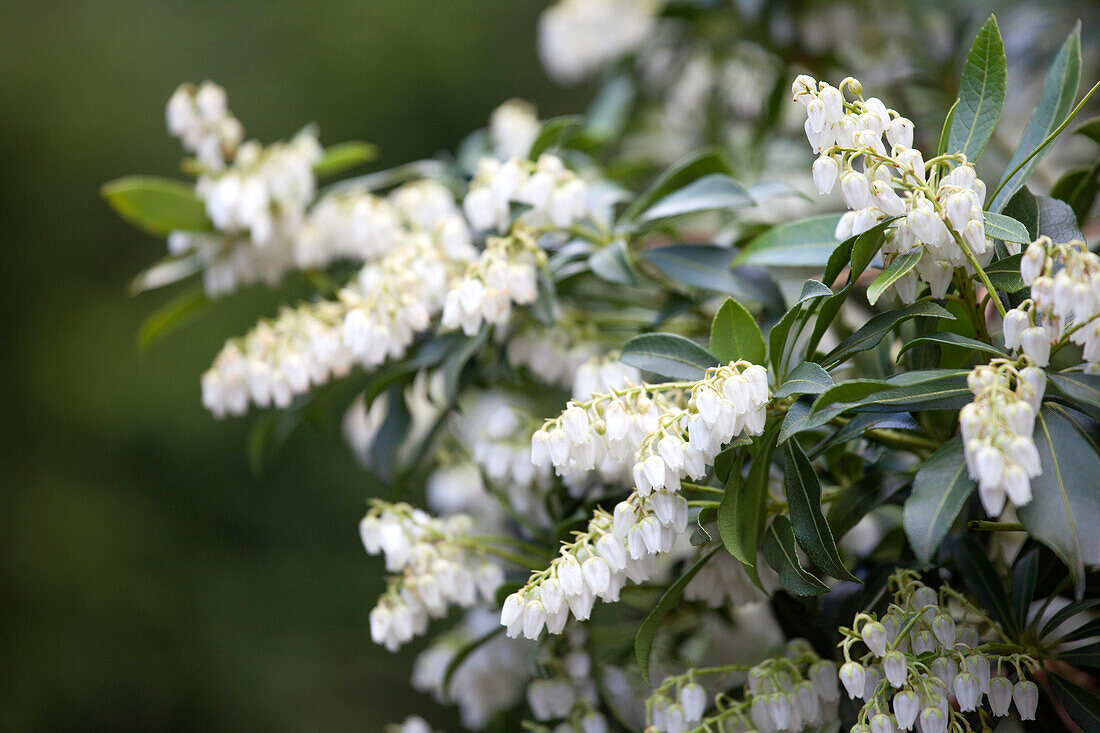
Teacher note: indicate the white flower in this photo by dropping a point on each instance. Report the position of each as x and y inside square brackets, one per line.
[693, 700]
[906, 708]
[1000, 695]
[513, 126]
[967, 692]
[578, 37]
[853, 676]
[894, 667]
[874, 636]
[200, 118]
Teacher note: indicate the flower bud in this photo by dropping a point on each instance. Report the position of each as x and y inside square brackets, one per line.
[893, 665]
[853, 676]
[1026, 696]
[967, 692]
[874, 636]
[693, 699]
[1000, 695]
[906, 708]
[825, 171]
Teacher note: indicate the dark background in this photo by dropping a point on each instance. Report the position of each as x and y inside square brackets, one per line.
[150, 579]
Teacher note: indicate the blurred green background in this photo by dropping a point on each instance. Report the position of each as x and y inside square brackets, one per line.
[151, 580]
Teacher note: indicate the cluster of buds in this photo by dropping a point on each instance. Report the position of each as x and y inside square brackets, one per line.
[352, 225]
[552, 355]
[436, 562]
[730, 401]
[579, 37]
[613, 549]
[556, 197]
[785, 693]
[938, 203]
[505, 274]
[278, 359]
[200, 118]
[604, 433]
[997, 431]
[919, 657]
[1065, 301]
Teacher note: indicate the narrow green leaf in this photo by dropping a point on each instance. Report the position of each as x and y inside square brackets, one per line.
[1025, 209]
[1024, 578]
[734, 334]
[1055, 102]
[165, 272]
[981, 93]
[1064, 512]
[456, 361]
[556, 132]
[157, 205]
[1083, 390]
[804, 499]
[780, 339]
[612, 264]
[181, 309]
[707, 267]
[947, 338]
[1082, 656]
[985, 583]
[945, 131]
[679, 174]
[779, 551]
[871, 333]
[944, 392]
[806, 378]
[1057, 220]
[741, 513]
[1090, 129]
[1005, 274]
[344, 156]
[795, 421]
[668, 355]
[711, 192]
[1065, 614]
[940, 490]
[1005, 228]
[805, 243]
[1082, 705]
[610, 110]
[643, 642]
[897, 269]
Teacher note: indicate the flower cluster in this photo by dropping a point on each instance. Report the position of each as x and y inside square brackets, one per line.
[570, 694]
[731, 401]
[556, 197]
[200, 118]
[351, 225]
[784, 693]
[579, 37]
[513, 127]
[918, 656]
[490, 679]
[551, 355]
[997, 431]
[603, 374]
[1064, 301]
[938, 201]
[614, 548]
[505, 274]
[438, 564]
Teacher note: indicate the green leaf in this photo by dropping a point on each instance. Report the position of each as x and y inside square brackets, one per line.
[741, 513]
[805, 243]
[897, 269]
[1057, 220]
[1090, 129]
[945, 131]
[707, 267]
[180, 310]
[779, 338]
[1005, 228]
[804, 499]
[941, 392]
[983, 581]
[456, 361]
[940, 490]
[1055, 103]
[1064, 512]
[611, 263]
[734, 334]
[157, 205]
[165, 272]
[795, 421]
[779, 551]
[643, 642]
[1005, 274]
[714, 191]
[1082, 656]
[1025, 209]
[460, 656]
[871, 333]
[1083, 390]
[1024, 578]
[806, 378]
[344, 156]
[1082, 705]
[981, 93]
[555, 133]
[679, 174]
[700, 536]
[668, 355]
[952, 339]
[610, 110]
[1065, 614]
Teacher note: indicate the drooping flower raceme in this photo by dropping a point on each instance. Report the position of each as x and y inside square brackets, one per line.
[920, 654]
[435, 565]
[513, 127]
[505, 274]
[785, 693]
[939, 200]
[1065, 300]
[200, 118]
[997, 431]
[555, 195]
